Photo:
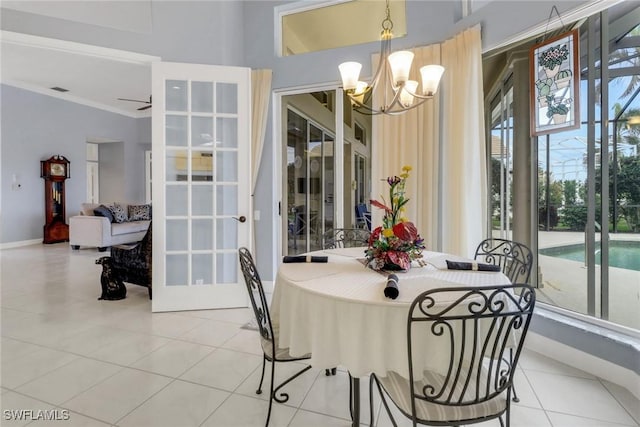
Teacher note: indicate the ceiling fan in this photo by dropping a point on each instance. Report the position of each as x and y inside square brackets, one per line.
[146, 107]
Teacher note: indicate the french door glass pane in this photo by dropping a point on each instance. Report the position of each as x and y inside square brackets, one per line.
[227, 132]
[202, 97]
[227, 98]
[176, 128]
[177, 235]
[202, 234]
[177, 270]
[201, 131]
[177, 196]
[227, 200]
[176, 95]
[202, 200]
[227, 166]
[226, 271]
[226, 233]
[202, 269]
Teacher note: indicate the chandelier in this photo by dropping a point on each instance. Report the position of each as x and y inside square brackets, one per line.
[393, 69]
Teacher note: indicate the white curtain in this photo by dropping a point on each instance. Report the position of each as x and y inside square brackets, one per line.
[464, 177]
[410, 139]
[443, 141]
[260, 94]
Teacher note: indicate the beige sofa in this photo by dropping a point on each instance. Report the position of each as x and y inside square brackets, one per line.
[90, 230]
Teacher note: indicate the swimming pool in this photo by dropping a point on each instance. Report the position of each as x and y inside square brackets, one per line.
[622, 253]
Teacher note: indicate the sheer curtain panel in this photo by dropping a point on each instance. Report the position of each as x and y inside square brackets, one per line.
[443, 142]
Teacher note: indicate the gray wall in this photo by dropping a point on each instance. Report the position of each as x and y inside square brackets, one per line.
[111, 172]
[35, 127]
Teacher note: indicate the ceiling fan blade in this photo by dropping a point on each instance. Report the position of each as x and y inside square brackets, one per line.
[134, 100]
[146, 107]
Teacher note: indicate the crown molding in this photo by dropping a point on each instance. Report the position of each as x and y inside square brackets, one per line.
[77, 48]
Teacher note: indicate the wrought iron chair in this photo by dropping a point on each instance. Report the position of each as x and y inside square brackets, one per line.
[475, 330]
[515, 259]
[345, 238]
[268, 334]
[132, 264]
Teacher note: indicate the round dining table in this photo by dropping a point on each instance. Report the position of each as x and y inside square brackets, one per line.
[337, 311]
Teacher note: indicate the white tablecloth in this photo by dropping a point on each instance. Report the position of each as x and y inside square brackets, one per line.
[338, 312]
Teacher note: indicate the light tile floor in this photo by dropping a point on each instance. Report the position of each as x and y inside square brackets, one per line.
[113, 363]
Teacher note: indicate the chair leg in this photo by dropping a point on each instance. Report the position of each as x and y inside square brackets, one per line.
[271, 390]
[370, 400]
[264, 362]
[284, 396]
[513, 387]
[384, 401]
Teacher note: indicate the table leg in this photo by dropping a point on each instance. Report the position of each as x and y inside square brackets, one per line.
[355, 401]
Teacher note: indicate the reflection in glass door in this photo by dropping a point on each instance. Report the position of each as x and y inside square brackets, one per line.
[501, 161]
[310, 183]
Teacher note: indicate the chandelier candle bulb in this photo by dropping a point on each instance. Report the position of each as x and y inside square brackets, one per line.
[350, 72]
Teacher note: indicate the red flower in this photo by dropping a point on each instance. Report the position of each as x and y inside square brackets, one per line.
[405, 231]
[400, 258]
[377, 204]
[375, 235]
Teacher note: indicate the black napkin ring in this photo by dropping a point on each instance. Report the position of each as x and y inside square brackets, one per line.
[391, 290]
[304, 258]
[473, 266]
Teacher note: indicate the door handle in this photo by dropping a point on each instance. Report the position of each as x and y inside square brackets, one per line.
[241, 219]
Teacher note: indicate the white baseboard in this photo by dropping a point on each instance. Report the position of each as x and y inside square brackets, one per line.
[21, 243]
[586, 362]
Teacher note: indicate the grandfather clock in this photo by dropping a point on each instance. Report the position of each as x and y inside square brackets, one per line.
[55, 171]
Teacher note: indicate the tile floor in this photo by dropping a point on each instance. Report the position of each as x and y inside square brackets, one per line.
[113, 363]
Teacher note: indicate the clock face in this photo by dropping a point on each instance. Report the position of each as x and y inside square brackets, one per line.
[57, 169]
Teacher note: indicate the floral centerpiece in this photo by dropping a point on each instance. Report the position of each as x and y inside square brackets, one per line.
[393, 245]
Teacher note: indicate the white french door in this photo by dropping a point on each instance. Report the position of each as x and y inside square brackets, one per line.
[201, 178]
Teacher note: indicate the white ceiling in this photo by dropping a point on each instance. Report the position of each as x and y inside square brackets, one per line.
[93, 75]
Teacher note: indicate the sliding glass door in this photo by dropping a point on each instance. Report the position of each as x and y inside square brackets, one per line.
[310, 183]
[326, 168]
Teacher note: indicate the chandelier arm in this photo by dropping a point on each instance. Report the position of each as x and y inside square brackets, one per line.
[416, 95]
[394, 109]
[362, 100]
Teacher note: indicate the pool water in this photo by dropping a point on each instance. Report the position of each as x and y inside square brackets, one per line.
[622, 254]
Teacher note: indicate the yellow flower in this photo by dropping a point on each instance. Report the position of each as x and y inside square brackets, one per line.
[402, 209]
[387, 232]
[403, 219]
[404, 175]
[407, 168]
